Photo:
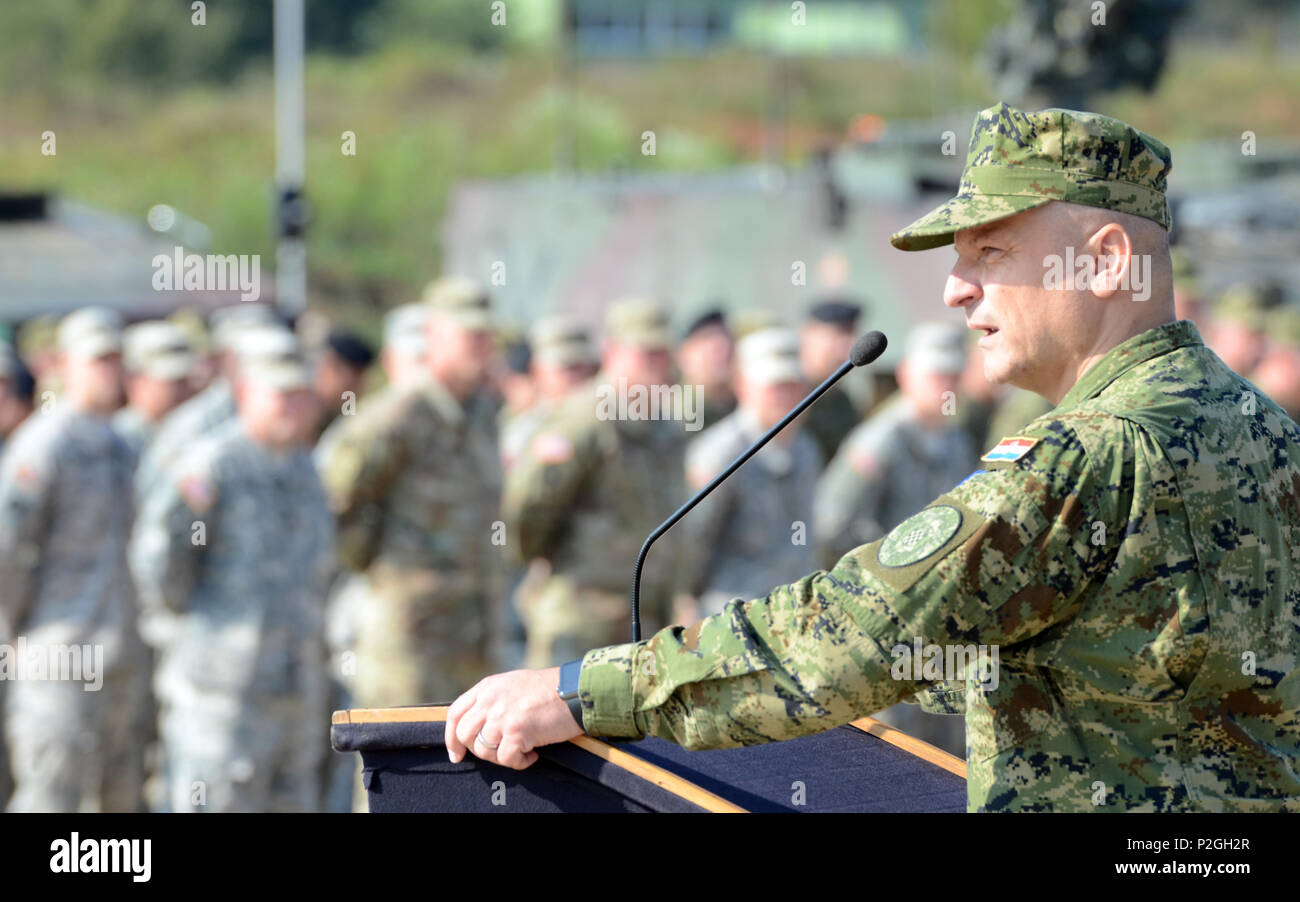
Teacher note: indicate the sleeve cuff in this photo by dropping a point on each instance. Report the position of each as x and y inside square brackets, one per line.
[608, 692]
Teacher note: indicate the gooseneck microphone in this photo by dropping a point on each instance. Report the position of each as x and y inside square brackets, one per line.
[865, 350]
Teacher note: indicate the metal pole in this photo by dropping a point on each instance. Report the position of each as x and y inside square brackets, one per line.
[290, 160]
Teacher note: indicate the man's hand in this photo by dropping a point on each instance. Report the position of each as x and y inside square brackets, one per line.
[504, 717]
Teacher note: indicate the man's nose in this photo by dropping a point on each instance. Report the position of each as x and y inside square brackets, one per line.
[959, 290]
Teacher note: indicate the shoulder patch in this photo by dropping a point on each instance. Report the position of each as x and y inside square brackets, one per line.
[552, 448]
[919, 536]
[912, 547]
[1012, 447]
[198, 493]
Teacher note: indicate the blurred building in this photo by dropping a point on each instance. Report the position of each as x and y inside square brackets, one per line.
[58, 255]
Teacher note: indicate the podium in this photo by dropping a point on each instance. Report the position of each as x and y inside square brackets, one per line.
[866, 766]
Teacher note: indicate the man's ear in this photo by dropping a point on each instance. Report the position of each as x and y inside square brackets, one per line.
[1112, 252]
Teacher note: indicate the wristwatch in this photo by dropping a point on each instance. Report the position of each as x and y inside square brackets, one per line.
[568, 688]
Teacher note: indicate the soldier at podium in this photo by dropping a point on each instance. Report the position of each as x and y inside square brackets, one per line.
[1108, 551]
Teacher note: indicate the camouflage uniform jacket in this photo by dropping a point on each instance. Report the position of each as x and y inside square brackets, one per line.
[65, 513]
[238, 541]
[1137, 564]
[415, 481]
[176, 434]
[753, 531]
[589, 490]
[886, 470]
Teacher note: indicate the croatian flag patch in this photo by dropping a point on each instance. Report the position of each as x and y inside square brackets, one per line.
[1011, 448]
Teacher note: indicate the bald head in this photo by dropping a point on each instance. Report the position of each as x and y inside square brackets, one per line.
[1054, 288]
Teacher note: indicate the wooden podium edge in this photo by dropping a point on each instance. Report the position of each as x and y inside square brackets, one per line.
[652, 773]
[918, 747]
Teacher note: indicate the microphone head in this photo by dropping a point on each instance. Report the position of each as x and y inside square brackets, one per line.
[868, 348]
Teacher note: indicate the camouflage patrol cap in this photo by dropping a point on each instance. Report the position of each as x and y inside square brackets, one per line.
[91, 332]
[157, 349]
[562, 341]
[1018, 161]
[404, 327]
[463, 300]
[638, 321]
[770, 356]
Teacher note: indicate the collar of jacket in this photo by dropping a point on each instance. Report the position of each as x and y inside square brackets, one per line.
[1128, 354]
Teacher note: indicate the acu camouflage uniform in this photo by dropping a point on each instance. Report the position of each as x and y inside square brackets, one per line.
[1136, 560]
[65, 513]
[415, 482]
[242, 681]
[754, 530]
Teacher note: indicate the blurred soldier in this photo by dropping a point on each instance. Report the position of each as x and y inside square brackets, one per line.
[899, 455]
[514, 380]
[17, 393]
[214, 405]
[405, 339]
[414, 479]
[891, 466]
[825, 340]
[754, 529]
[1236, 331]
[159, 365]
[593, 482]
[1278, 374]
[704, 358]
[65, 512]
[238, 543]
[339, 375]
[563, 357]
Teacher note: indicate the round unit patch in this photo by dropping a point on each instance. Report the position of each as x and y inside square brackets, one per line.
[919, 536]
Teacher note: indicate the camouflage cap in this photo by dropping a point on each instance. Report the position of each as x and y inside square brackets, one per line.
[562, 341]
[157, 349]
[91, 332]
[935, 347]
[463, 300]
[1018, 161]
[638, 321]
[404, 328]
[770, 356]
[229, 322]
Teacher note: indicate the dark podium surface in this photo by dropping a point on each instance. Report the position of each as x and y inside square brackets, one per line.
[865, 766]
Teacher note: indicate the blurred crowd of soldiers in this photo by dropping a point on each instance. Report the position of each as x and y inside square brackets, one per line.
[247, 539]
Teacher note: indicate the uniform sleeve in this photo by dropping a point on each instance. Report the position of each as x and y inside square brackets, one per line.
[850, 496]
[543, 485]
[169, 544]
[998, 560]
[358, 466]
[28, 474]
